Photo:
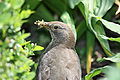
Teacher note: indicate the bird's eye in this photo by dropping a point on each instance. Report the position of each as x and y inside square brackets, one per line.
[55, 27]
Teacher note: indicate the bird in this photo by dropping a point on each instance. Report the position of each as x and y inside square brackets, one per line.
[59, 61]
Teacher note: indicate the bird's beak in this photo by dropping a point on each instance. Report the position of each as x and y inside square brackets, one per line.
[42, 24]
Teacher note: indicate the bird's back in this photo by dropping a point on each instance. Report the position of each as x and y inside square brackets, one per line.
[59, 63]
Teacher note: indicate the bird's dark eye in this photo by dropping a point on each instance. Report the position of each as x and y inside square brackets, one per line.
[55, 27]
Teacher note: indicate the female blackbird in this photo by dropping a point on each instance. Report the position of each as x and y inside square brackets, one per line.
[60, 61]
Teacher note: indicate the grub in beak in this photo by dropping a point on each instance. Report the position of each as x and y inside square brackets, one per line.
[42, 24]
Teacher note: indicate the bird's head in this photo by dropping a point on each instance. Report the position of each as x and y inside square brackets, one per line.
[60, 32]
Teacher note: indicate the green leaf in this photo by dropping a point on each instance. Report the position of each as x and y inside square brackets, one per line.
[104, 43]
[67, 19]
[115, 39]
[16, 4]
[25, 35]
[83, 6]
[4, 18]
[91, 4]
[87, 8]
[90, 47]
[111, 26]
[102, 6]
[92, 74]
[4, 6]
[95, 72]
[18, 24]
[111, 39]
[28, 76]
[22, 44]
[73, 3]
[81, 28]
[29, 4]
[57, 6]
[25, 14]
[112, 73]
[115, 58]
[93, 25]
[37, 48]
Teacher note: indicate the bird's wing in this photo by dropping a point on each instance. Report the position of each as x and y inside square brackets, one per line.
[72, 65]
[43, 72]
[59, 64]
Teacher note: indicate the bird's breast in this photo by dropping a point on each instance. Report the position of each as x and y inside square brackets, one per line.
[62, 62]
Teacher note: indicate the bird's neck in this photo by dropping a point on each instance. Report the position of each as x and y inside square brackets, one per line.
[51, 45]
[54, 43]
[68, 42]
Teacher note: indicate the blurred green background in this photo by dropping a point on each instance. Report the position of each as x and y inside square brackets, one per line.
[93, 21]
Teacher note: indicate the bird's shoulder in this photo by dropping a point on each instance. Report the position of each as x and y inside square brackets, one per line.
[62, 54]
[60, 51]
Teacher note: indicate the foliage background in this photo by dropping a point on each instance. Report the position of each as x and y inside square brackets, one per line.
[93, 21]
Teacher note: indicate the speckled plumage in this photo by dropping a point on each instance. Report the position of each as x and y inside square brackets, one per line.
[60, 61]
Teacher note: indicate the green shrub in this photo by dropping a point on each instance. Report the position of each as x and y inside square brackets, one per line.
[15, 63]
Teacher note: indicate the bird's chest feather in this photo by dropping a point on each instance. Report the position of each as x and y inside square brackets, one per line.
[60, 62]
[60, 56]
